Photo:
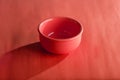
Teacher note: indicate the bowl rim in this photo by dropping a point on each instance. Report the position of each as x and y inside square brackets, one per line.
[56, 39]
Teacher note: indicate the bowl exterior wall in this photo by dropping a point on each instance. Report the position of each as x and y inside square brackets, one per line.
[60, 46]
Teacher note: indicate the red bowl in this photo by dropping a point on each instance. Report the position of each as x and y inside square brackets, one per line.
[60, 35]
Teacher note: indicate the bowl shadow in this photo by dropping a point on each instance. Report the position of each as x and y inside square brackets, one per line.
[27, 61]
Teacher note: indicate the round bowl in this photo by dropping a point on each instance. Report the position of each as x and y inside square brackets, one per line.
[60, 35]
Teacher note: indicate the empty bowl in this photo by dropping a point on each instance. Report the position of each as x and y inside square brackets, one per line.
[60, 35]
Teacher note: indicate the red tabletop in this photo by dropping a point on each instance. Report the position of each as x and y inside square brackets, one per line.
[23, 58]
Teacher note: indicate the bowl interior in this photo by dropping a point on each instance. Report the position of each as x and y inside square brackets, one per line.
[60, 28]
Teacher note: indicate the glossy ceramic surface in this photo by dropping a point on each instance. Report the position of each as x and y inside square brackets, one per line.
[60, 35]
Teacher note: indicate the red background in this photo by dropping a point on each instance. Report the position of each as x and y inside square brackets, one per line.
[98, 56]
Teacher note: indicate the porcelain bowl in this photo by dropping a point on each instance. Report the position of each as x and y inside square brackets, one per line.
[60, 35]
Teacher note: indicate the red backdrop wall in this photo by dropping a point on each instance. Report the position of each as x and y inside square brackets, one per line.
[98, 56]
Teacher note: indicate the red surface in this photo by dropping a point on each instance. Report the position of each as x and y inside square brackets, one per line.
[98, 56]
[60, 35]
